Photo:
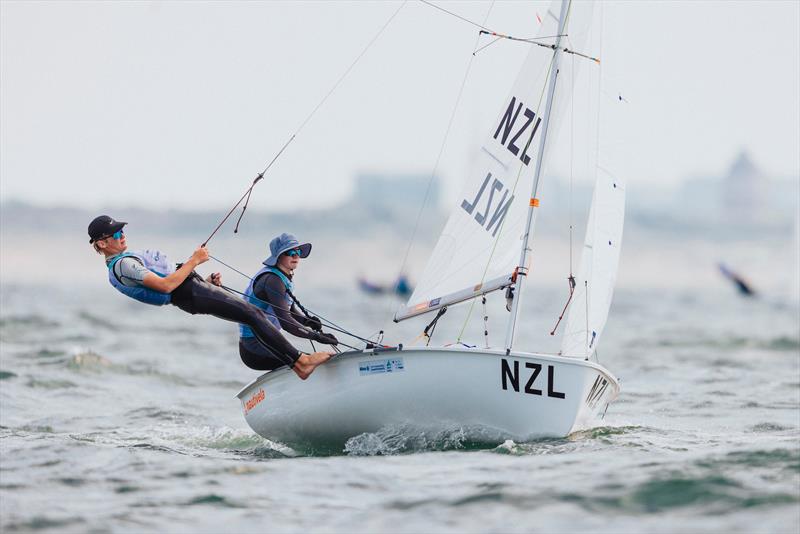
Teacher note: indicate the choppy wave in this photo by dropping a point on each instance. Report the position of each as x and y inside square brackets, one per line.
[173, 447]
[43, 523]
[710, 484]
[179, 435]
[711, 493]
[214, 499]
[768, 427]
[403, 439]
[777, 344]
[97, 321]
[782, 458]
[27, 321]
[88, 361]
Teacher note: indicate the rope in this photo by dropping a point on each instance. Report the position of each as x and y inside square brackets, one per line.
[484, 47]
[487, 31]
[485, 322]
[571, 277]
[586, 295]
[302, 125]
[246, 194]
[230, 289]
[456, 15]
[328, 323]
[429, 330]
[571, 281]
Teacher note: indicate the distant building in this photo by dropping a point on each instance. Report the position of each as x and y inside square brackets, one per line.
[745, 196]
[743, 190]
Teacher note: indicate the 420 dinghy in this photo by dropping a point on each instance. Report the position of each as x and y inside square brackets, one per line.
[487, 394]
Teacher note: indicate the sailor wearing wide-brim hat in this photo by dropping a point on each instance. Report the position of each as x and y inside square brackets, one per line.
[271, 289]
[285, 243]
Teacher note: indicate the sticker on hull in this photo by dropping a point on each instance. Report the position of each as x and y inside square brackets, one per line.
[253, 401]
[376, 367]
[596, 393]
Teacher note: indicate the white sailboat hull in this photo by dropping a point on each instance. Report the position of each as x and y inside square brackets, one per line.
[486, 394]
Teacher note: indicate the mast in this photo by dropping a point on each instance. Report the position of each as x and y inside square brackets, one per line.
[522, 270]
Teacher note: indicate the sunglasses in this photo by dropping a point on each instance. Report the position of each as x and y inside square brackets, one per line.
[294, 252]
[116, 235]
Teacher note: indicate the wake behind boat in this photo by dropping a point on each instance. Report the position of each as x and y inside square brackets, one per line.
[488, 394]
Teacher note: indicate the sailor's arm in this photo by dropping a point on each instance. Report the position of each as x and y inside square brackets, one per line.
[269, 288]
[168, 283]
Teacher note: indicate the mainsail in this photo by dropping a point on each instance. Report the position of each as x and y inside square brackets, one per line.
[598, 271]
[480, 245]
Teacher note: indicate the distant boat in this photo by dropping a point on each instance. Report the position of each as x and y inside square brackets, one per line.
[487, 394]
[744, 288]
[401, 287]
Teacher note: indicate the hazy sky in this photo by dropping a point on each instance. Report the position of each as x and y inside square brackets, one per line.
[179, 104]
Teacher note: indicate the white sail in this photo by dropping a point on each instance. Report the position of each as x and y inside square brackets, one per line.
[598, 270]
[480, 245]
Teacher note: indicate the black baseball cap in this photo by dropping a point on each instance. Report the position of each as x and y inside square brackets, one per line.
[103, 226]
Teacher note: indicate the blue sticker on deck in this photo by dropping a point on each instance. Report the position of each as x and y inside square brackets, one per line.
[375, 367]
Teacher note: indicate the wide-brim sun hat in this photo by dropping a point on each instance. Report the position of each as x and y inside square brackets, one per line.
[281, 244]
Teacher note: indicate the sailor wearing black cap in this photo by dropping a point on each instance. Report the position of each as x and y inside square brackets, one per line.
[147, 276]
[271, 289]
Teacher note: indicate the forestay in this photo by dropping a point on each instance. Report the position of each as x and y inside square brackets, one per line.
[480, 245]
[598, 270]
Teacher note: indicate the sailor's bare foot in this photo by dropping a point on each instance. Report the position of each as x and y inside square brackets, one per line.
[306, 363]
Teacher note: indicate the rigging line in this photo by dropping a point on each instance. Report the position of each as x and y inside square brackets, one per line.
[303, 124]
[486, 46]
[586, 297]
[328, 323]
[543, 45]
[531, 226]
[571, 281]
[246, 194]
[485, 321]
[442, 147]
[230, 289]
[571, 277]
[486, 30]
[456, 15]
[527, 40]
[599, 92]
[571, 158]
[353, 64]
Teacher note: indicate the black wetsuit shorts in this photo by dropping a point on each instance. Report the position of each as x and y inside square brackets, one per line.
[196, 296]
[256, 356]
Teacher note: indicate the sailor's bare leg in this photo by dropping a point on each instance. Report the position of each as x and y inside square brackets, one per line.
[306, 363]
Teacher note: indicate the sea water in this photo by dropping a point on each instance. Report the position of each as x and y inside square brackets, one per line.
[119, 418]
